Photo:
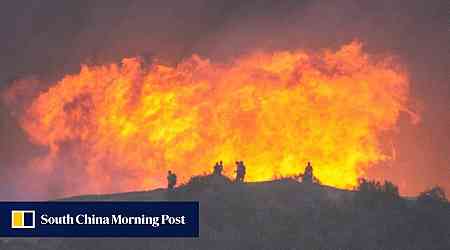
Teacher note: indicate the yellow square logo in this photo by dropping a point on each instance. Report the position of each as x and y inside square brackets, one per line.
[22, 219]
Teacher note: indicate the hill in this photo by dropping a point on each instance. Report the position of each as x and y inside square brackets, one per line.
[281, 214]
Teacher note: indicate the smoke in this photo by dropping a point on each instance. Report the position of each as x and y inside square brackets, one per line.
[50, 39]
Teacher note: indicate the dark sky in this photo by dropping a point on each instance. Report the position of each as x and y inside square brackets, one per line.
[47, 39]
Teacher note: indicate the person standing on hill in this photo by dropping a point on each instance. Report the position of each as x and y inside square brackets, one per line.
[240, 172]
[308, 174]
[171, 180]
[218, 168]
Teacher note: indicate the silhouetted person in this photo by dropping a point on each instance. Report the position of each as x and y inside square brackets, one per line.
[218, 167]
[308, 174]
[240, 172]
[171, 180]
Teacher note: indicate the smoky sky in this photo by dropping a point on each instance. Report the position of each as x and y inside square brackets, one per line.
[47, 39]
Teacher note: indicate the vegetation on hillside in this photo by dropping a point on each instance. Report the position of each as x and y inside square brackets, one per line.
[288, 214]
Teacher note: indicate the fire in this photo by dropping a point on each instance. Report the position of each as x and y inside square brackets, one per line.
[122, 126]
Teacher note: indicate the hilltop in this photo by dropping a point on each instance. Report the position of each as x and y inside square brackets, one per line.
[280, 214]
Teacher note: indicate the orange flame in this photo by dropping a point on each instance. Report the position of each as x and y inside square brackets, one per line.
[128, 124]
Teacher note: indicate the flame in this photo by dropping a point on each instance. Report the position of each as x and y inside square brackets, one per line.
[124, 125]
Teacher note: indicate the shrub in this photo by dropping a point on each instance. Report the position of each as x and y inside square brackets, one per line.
[435, 194]
[201, 182]
[286, 177]
[372, 193]
[390, 189]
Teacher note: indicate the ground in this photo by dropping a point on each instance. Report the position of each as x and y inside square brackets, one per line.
[280, 214]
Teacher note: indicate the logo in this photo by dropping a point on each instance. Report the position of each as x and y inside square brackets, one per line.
[22, 219]
[99, 219]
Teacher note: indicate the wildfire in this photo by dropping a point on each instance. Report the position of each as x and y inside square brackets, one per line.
[122, 126]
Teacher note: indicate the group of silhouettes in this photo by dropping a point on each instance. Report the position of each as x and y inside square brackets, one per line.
[240, 170]
[308, 176]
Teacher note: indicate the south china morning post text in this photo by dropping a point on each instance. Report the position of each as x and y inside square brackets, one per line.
[114, 219]
[99, 219]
